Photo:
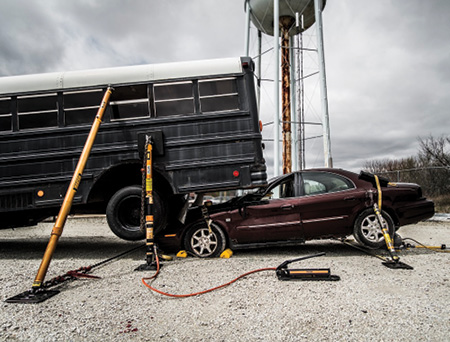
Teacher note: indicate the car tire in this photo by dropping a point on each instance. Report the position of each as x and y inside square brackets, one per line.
[123, 213]
[367, 229]
[203, 243]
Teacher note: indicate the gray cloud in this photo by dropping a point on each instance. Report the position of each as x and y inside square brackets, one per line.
[387, 62]
[388, 77]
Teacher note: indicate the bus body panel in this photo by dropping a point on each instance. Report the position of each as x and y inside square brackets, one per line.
[203, 120]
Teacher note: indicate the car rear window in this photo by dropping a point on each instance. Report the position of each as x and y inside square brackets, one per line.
[324, 182]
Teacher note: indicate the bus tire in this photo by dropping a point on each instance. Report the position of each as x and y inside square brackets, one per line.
[123, 213]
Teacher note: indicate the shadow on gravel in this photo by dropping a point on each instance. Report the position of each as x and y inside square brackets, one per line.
[332, 248]
[103, 248]
[69, 247]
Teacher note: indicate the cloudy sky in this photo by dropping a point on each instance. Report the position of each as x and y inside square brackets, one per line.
[387, 61]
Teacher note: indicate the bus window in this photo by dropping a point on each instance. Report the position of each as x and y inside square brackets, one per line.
[171, 91]
[174, 99]
[130, 102]
[134, 110]
[134, 92]
[219, 103]
[80, 116]
[81, 107]
[81, 99]
[37, 111]
[217, 87]
[5, 114]
[218, 95]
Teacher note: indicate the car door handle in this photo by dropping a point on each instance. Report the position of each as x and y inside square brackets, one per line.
[287, 207]
[349, 198]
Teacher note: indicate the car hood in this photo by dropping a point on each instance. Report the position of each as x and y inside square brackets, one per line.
[195, 213]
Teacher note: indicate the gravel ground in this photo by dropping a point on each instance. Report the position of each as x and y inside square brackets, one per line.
[369, 303]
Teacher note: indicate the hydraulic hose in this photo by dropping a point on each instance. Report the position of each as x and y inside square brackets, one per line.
[144, 281]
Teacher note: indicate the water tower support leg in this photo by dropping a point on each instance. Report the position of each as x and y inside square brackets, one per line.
[285, 24]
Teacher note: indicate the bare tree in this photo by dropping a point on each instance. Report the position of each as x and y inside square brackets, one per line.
[434, 155]
[435, 151]
[430, 168]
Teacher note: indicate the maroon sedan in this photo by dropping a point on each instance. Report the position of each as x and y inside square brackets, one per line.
[300, 206]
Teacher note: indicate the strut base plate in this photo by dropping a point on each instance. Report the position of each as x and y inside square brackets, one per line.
[397, 265]
[32, 296]
[148, 267]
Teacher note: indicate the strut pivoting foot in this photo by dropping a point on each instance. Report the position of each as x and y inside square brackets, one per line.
[397, 265]
[32, 296]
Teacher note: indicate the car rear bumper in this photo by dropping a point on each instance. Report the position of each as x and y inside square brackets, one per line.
[415, 212]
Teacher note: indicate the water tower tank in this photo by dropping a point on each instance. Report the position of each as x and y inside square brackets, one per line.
[261, 13]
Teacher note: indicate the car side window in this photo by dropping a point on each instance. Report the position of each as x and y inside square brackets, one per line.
[315, 183]
[282, 190]
[287, 189]
[312, 187]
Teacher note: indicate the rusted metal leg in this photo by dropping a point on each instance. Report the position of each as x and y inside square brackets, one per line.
[285, 25]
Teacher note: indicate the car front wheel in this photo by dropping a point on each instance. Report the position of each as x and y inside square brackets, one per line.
[203, 243]
[367, 229]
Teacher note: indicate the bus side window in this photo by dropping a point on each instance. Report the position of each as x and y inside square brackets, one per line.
[130, 102]
[173, 99]
[82, 106]
[37, 111]
[5, 115]
[218, 95]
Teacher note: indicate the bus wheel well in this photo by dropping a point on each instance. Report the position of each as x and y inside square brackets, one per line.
[120, 176]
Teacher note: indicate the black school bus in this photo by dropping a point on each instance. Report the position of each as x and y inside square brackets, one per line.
[201, 115]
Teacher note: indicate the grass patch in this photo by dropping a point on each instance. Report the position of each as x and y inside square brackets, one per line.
[442, 203]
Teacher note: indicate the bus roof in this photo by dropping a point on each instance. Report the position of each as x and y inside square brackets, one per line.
[56, 81]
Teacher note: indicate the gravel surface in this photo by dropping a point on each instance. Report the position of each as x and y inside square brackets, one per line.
[369, 303]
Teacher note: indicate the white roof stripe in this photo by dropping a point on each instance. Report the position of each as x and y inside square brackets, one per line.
[109, 76]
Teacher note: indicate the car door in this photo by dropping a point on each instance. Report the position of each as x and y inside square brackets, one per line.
[275, 218]
[328, 204]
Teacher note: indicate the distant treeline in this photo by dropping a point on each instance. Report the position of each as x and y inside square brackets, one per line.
[430, 168]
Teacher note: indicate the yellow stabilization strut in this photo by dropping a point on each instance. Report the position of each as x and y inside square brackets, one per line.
[383, 224]
[377, 207]
[73, 188]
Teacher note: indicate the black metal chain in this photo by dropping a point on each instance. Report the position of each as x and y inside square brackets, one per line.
[82, 271]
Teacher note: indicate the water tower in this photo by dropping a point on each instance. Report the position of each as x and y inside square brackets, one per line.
[291, 17]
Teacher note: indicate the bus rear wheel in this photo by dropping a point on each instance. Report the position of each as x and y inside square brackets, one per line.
[123, 213]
